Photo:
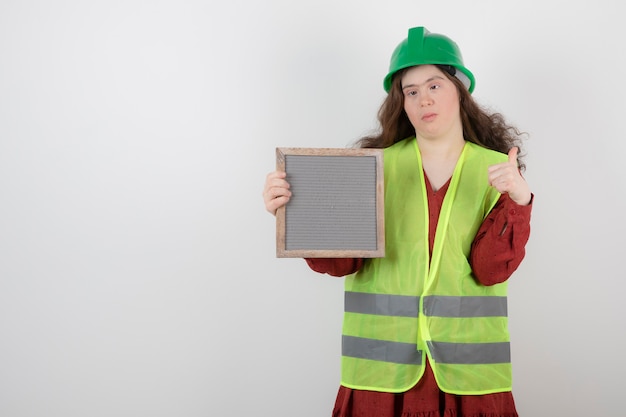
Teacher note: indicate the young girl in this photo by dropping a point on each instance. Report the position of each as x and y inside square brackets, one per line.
[425, 328]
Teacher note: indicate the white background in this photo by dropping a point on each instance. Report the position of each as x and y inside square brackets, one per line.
[138, 274]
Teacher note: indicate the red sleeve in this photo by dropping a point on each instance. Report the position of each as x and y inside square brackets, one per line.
[500, 244]
[337, 267]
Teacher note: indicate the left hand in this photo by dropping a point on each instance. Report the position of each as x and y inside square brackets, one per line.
[506, 178]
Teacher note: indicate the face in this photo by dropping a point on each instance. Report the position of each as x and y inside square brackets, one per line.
[431, 101]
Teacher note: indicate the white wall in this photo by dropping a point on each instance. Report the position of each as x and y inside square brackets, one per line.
[137, 265]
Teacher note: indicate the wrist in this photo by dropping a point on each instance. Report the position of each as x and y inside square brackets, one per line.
[523, 201]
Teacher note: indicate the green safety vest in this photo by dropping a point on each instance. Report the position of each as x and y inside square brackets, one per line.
[400, 308]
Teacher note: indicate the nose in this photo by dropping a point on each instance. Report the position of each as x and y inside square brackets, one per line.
[425, 99]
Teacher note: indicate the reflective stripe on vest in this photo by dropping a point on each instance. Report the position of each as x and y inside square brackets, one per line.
[381, 350]
[400, 308]
[407, 353]
[470, 353]
[434, 305]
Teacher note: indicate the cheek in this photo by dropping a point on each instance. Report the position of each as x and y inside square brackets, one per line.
[409, 109]
[453, 105]
[411, 115]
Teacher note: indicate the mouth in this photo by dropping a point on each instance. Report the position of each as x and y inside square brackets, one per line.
[429, 117]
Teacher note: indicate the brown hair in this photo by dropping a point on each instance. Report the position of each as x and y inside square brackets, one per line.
[480, 126]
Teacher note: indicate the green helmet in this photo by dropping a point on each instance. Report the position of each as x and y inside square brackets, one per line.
[421, 48]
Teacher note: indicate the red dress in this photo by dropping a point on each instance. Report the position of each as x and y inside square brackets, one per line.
[497, 251]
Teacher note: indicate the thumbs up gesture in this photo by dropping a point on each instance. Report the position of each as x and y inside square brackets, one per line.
[506, 178]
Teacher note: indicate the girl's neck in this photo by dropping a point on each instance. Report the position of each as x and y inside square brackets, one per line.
[439, 159]
[441, 149]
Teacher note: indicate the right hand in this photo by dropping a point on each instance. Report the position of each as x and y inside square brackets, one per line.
[507, 178]
[276, 191]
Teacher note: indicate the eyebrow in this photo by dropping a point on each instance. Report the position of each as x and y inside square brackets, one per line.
[425, 82]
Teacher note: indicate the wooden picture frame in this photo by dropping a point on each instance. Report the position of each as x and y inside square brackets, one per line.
[337, 204]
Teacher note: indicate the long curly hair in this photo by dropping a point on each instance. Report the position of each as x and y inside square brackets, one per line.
[480, 126]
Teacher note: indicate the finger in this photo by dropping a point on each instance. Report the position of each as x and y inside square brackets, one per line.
[274, 204]
[496, 180]
[277, 174]
[275, 180]
[499, 173]
[275, 177]
[513, 155]
[275, 192]
[276, 188]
